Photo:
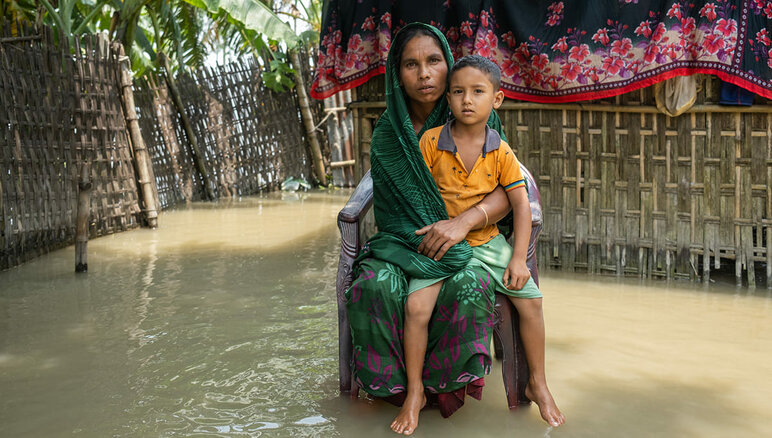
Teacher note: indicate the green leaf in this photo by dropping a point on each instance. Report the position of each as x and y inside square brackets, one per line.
[310, 37]
[272, 81]
[253, 15]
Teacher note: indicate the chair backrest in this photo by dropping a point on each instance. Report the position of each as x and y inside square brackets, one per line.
[353, 213]
[350, 220]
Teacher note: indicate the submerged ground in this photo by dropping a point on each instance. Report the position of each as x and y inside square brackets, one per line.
[222, 322]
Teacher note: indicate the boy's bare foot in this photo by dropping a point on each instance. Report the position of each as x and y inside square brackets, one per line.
[407, 419]
[540, 394]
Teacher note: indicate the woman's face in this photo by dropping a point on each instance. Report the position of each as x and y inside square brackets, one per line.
[423, 70]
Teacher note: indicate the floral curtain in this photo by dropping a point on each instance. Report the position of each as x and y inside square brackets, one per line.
[561, 51]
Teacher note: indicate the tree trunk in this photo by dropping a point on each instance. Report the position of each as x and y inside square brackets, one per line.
[308, 119]
[200, 164]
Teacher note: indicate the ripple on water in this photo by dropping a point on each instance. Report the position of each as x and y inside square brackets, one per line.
[312, 421]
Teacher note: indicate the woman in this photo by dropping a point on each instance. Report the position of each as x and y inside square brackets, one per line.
[416, 239]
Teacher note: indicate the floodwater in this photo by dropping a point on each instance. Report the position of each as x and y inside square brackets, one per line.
[223, 323]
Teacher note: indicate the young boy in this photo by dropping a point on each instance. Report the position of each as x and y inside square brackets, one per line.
[468, 160]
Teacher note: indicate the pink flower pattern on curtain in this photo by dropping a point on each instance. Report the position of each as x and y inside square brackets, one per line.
[562, 51]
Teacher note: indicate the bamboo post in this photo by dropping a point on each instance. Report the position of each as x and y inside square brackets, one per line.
[142, 162]
[356, 144]
[333, 136]
[200, 164]
[81, 224]
[365, 133]
[307, 116]
[2, 225]
[346, 136]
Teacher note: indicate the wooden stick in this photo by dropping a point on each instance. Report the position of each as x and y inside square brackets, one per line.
[81, 224]
[308, 122]
[142, 162]
[2, 225]
[200, 163]
[337, 164]
[20, 39]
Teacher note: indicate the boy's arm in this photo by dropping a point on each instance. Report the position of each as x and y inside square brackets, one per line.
[517, 273]
[495, 204]
[442, 235]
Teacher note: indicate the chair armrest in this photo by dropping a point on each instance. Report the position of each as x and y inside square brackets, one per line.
[537, 221]
[349, 223]
[359, 202]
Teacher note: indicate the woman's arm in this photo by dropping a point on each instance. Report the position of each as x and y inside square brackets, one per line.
[441, 235]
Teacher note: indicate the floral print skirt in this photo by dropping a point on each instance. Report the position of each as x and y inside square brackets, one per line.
[458, 348]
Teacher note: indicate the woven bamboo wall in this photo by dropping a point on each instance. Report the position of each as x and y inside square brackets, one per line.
[630, 191]
[58, 110]
[252, 138]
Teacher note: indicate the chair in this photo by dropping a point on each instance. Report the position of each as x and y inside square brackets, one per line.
[507, 343]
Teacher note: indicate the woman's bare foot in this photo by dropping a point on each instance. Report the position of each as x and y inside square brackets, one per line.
[407, 419]
[540, 394]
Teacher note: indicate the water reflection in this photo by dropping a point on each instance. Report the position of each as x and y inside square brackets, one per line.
[222, 323]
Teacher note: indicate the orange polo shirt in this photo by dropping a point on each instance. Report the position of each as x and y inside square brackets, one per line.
[460, 188]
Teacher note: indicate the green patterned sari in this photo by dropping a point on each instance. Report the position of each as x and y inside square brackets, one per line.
[405, 198]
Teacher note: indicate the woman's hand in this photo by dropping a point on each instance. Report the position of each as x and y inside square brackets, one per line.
[516, 275]
[440, 236]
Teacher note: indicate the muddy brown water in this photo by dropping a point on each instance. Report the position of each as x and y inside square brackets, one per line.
[222, 322]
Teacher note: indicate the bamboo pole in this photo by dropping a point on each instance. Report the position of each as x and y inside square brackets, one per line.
[333, 136]
[200, 164]
[20, 39]
[346, 135]
[142, 162]
[2, 225]
[340, 164]
[366, 133]
[308, 119]
[81, 224]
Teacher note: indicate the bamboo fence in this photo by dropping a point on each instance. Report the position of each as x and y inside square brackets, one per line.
[59, 108]
[627, 190]
[251, 137]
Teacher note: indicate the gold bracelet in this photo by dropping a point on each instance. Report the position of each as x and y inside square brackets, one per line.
[484, 212]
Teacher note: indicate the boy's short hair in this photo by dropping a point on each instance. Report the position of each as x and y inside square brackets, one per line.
[483, 64]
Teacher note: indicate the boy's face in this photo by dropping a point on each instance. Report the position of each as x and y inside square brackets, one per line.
[471, 96]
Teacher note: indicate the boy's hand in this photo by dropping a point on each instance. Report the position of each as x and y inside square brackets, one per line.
[516, 275]
[439, 237]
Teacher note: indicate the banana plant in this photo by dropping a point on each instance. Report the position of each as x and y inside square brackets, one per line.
[70, 18]
[16, 11]
[258, 17]
[252, 15]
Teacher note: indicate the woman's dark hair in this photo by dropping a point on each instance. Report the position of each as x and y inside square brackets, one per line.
[407, 34]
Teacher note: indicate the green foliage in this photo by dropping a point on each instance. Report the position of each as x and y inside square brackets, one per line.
[310, 37]
[16, 11]
[253, 15]
[279, 78]
[186, 30]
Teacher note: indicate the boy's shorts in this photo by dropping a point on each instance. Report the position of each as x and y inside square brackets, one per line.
[493, 257]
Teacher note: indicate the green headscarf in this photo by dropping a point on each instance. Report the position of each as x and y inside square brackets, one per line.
[405, 196]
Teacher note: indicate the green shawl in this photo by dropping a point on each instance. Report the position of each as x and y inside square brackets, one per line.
[405, 196]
